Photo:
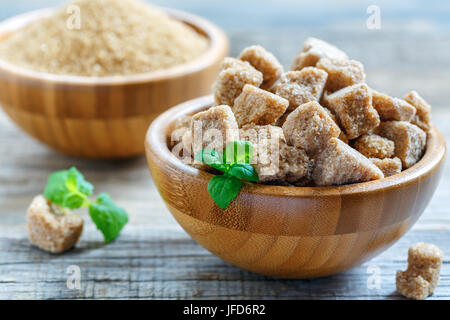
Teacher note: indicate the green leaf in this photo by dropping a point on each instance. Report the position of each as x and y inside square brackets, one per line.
[76, 181]
[68, 188]
[244, 171]
[212, 158]
[239, 152]
[108, 217]
[224, 189]
[73, 201]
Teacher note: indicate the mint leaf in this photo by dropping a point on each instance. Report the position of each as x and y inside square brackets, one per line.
[76, 181]
[224, 189]
[239, 152]
[212, 158]
[244, 171]
[108, 217]
[68, 188]
[73, 201]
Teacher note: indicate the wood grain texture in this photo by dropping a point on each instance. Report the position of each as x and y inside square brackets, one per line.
[103, 117]
[154, 258]
[292, 232]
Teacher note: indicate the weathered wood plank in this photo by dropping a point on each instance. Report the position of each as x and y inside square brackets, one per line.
[164, 264]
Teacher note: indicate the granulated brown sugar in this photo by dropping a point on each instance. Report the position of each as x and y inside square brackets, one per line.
[116, 37]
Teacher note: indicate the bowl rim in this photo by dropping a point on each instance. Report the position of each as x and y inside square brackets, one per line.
[218, 42]
[156, 141]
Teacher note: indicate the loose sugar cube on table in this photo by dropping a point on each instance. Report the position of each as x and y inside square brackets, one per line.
[265, 62]
[300, 87]
[374, 146]
[309, 127]
[353, 109]
[422, 118]
[338, 164]
[313, 50]
[214, 129]
[52, 228]
[234, 76]
[388, 166]
[410, 141]
[258, 106]
[389, 108]
[341, 73]
[422, 276]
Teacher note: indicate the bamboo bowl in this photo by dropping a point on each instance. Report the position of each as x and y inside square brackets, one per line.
[105, 117]
[292, 232]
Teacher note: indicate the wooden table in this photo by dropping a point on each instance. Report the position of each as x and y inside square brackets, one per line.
[154, 258]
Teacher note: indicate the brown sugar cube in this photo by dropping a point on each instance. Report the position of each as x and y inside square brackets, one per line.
[265, 62]
[181, 145]
[182, 122]
[341, 73]
[258, 106]
[230, 62]
[293, 167]
[343, 137]
[410, 140]
[275, 161]
[180, 127]
[300, 87]
[310, 127]
[214, 129]
[266, 141]
[374, 146]
[388, 166]
[422, 276]
[263, 138]
[281, 120]
[389, 108]
[422, 119]
[52, 228]
[339, 164]
[353, 109]
[234, 76]
[313, 50]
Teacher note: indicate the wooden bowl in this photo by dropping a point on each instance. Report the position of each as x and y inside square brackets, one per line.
[103, 117]
[292, 232]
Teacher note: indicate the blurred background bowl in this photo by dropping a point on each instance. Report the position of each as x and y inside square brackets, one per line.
[292, 232]
[107, 117]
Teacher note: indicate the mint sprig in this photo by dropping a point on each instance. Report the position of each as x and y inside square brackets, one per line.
[236, 168]
[69, 189]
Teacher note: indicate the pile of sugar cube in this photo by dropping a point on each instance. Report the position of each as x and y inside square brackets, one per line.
[319, 124]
